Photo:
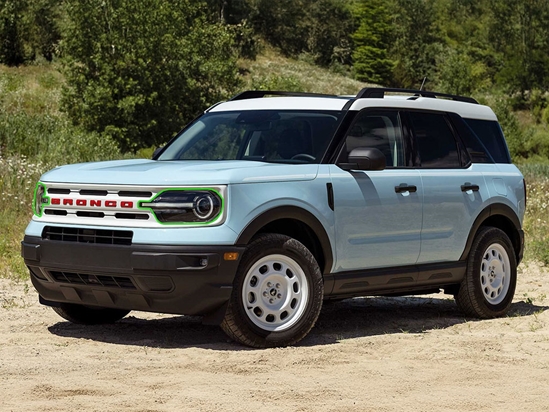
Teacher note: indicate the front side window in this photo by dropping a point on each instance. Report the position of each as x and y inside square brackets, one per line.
[380, 130]
[261, 135]
[435, 140]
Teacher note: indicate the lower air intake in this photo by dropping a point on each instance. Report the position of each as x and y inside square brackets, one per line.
[103, 237]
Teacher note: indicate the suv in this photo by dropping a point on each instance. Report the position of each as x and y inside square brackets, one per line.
[262, 208]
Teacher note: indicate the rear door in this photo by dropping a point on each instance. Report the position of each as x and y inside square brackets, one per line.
[454, 189]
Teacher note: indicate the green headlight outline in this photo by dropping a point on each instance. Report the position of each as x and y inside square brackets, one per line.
[188, 189]
[34, 200]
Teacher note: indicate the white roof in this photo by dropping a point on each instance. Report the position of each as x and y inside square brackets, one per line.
[466, 110]
[283, 103]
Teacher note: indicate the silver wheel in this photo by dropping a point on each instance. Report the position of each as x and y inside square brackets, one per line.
[275, 292]
[490, 280]
[495, 273]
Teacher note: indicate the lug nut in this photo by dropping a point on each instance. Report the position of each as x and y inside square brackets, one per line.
[265, 294]
[269, 284]
[279, 296]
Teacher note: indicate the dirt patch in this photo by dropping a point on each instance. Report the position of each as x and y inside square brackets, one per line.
[368, 354]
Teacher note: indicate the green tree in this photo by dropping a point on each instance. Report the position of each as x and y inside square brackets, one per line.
[138, 71]
[417, 41]
[11, 46]
[371, 41]
[519, 33]
[42, 31]
[320, 28]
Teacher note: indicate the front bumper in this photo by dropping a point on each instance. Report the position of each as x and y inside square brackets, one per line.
[189, 280]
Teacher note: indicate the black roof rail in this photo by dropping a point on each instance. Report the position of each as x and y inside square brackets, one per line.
[254, 94]
[379, 93]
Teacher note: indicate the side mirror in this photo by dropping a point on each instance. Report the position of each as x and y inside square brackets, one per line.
[157, 150]
[365, 158]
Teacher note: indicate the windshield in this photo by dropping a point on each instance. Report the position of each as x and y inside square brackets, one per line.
[261, 135]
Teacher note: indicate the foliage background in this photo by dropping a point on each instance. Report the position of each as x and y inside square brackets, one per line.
[84, 80]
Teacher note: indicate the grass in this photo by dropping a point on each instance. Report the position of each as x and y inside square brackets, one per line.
[34, 90]
[18, 176]
[35, 135]
[536, 220]
[272, 71]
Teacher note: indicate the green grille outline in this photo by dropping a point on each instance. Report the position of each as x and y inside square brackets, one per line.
[188, 189]
[38, 184]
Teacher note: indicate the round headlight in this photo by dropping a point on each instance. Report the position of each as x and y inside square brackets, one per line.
[203, 206]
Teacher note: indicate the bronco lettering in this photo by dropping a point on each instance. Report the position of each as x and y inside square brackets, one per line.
[91, 203]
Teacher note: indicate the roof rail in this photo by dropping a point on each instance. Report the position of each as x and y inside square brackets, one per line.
[254, 94]
[379, 93]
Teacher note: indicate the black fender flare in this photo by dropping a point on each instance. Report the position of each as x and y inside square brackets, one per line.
[296, 213]
[497, 209]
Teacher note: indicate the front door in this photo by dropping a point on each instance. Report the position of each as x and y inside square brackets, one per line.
[378, 214]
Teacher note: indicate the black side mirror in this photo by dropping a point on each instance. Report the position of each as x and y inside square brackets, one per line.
[365, 158]
[157, 150]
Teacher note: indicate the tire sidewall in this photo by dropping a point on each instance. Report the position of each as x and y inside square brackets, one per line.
[485, 239]
[280, 245]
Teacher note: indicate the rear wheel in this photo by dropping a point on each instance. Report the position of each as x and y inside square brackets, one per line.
[277, 293]
[89, 315]
[489, 285]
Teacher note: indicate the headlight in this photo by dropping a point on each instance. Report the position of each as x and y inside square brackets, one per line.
[185, 206]
[40, 199]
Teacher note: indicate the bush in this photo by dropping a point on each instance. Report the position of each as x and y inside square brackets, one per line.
[52, 140]
[139, 71]
[275, 83]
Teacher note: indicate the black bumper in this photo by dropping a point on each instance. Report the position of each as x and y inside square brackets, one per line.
[189, 280]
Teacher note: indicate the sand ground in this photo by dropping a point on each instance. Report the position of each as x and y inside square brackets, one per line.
[367, 354]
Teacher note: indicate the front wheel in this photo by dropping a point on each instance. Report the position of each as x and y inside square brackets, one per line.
[277, 293]
[489, 285]
[88, 315]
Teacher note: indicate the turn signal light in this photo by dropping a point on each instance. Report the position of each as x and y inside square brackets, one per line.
[230, 256]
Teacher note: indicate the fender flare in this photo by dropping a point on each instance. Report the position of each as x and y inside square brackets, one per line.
[296, 213]
[496, 209]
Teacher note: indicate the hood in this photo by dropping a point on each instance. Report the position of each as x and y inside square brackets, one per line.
[182, 172]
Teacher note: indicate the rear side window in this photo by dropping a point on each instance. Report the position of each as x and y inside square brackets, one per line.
[436, 143]
[490, 134]
[476, 149]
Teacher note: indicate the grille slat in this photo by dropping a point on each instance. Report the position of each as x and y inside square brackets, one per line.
[121, 282]
[104, 237]
[85, 192]
[56, 191]
[134, 193]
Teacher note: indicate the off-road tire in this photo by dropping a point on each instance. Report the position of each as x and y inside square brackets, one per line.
[491, 264]
[88, 315]
[271, 266]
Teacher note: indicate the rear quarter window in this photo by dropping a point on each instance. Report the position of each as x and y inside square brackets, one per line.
[490, 134]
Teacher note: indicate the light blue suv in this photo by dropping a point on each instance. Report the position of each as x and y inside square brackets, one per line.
[272, 202]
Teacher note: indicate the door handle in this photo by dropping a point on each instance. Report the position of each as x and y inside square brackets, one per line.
[405, 187]
[469, 186]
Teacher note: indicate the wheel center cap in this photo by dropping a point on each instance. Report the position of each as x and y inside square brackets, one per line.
[273, 292]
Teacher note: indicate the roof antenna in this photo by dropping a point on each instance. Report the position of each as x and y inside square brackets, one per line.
[423, 83]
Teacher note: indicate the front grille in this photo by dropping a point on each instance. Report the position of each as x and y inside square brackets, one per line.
[93, 280]
[98, 236]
